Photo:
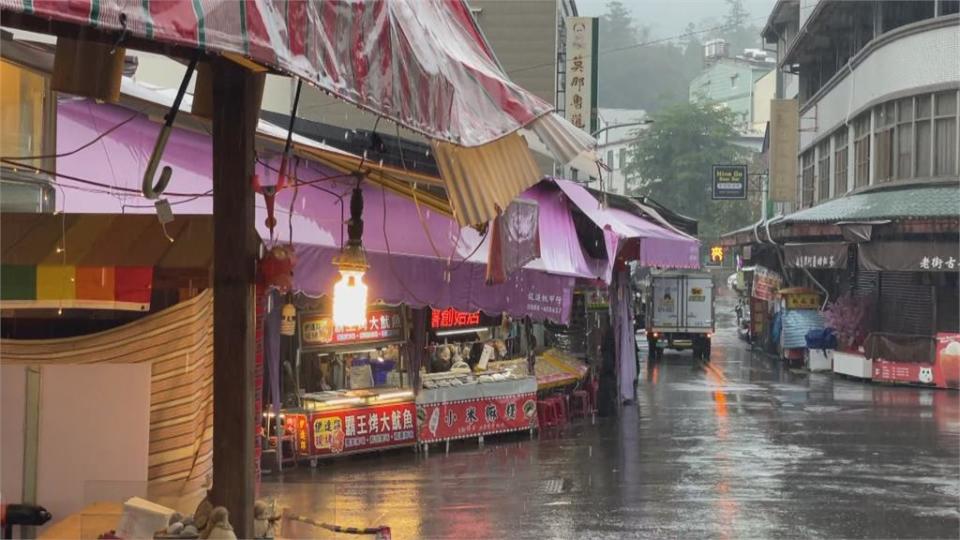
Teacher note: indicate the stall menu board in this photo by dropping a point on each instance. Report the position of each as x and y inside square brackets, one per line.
[350, 431]
[382, 325]
[446, 420]
[943, 373]
[765, 283]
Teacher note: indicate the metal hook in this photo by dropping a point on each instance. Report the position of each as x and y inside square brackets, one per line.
[151, 190]
[123, 33]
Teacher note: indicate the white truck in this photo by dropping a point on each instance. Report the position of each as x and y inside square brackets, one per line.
[679, 312]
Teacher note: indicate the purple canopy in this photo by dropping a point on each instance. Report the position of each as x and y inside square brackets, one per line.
[659, 246]
[417, 256]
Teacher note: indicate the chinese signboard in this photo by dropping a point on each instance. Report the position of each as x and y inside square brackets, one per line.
[384, 324]
[802, 300]
[581, 72]
[297, 423]
[474, 417]
[765, 283]
[360, 429]
[597, 299]
[452, 318]
[716, 255]
[548, 305]
[914, 256]
[729, 182]
[823, 255]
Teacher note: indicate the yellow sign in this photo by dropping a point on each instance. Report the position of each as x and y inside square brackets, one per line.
[716, 254]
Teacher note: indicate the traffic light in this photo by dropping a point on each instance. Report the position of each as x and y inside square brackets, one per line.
[716, 255]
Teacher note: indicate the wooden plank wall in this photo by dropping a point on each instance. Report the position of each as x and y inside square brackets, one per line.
[179, 343]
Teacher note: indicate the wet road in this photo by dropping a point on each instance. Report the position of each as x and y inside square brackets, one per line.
[739, 448]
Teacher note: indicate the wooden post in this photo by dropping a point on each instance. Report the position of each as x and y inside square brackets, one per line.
[235, 113]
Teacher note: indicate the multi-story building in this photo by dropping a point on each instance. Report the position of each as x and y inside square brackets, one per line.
[732, 82]
[877, 93]
[866, 147]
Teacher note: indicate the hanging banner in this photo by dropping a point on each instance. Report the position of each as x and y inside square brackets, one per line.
[784, 140]
[766, 283]
[729, 182]
[822, 255]
[912, 256]
[581, 72]
[461, 419]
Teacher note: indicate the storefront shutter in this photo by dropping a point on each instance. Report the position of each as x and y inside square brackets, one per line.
[906, 305]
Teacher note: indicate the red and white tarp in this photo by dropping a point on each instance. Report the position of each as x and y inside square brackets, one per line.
[422, 63]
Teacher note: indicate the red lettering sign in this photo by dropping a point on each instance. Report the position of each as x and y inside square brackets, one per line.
[482, 416]
[360, 429]
[451, 318]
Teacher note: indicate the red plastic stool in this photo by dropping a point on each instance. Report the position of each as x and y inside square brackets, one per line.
[545, 413]
[580, 404]
[560, 409]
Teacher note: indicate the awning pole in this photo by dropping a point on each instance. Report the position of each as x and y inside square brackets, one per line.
[235, 111]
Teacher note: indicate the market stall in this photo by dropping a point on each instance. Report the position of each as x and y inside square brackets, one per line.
[798, 314]
[460, 404]
[353, 395]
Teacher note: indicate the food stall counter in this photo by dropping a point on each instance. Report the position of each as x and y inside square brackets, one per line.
[477, 405]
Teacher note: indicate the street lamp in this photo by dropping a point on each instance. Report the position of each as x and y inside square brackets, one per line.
[350, 292]
[644, 122]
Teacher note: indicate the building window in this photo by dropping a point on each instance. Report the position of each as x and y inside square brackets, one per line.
[897, 13]
[949, 7]
[623, 158]
[945, 133]
[807, 174]
[610, 159]
[823, 170]
[840, 161]
[924, 136]
[861, 150]
[883, 142]
[904, 138]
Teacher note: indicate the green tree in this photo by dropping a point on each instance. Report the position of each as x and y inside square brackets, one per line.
[637, 74]
[673, 159]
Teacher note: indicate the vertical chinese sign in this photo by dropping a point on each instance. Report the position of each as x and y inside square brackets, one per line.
[581, 72]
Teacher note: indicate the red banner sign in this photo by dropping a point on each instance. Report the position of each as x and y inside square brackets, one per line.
[943, 373]
[451, 318]
[474, 417]
[360, 429]
[381, 325]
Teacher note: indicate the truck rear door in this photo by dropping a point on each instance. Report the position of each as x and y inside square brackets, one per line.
[699, 302]
[666, 302]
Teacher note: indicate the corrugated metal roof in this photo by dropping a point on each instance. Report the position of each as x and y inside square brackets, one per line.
[915, 202]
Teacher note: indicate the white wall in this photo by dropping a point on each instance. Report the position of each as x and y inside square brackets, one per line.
[764, 89]
[921, 59]
[159, 70]
[14, 380]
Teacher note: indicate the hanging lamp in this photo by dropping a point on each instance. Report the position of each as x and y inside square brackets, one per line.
[350, 292]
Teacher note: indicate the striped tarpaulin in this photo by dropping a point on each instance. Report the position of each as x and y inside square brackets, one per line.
[178, 343]
[422, 63]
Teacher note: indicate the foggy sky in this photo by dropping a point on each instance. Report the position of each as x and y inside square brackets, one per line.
[669, 17]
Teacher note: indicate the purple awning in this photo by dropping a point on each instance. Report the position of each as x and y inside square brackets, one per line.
[659, 246]
[427, 250]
